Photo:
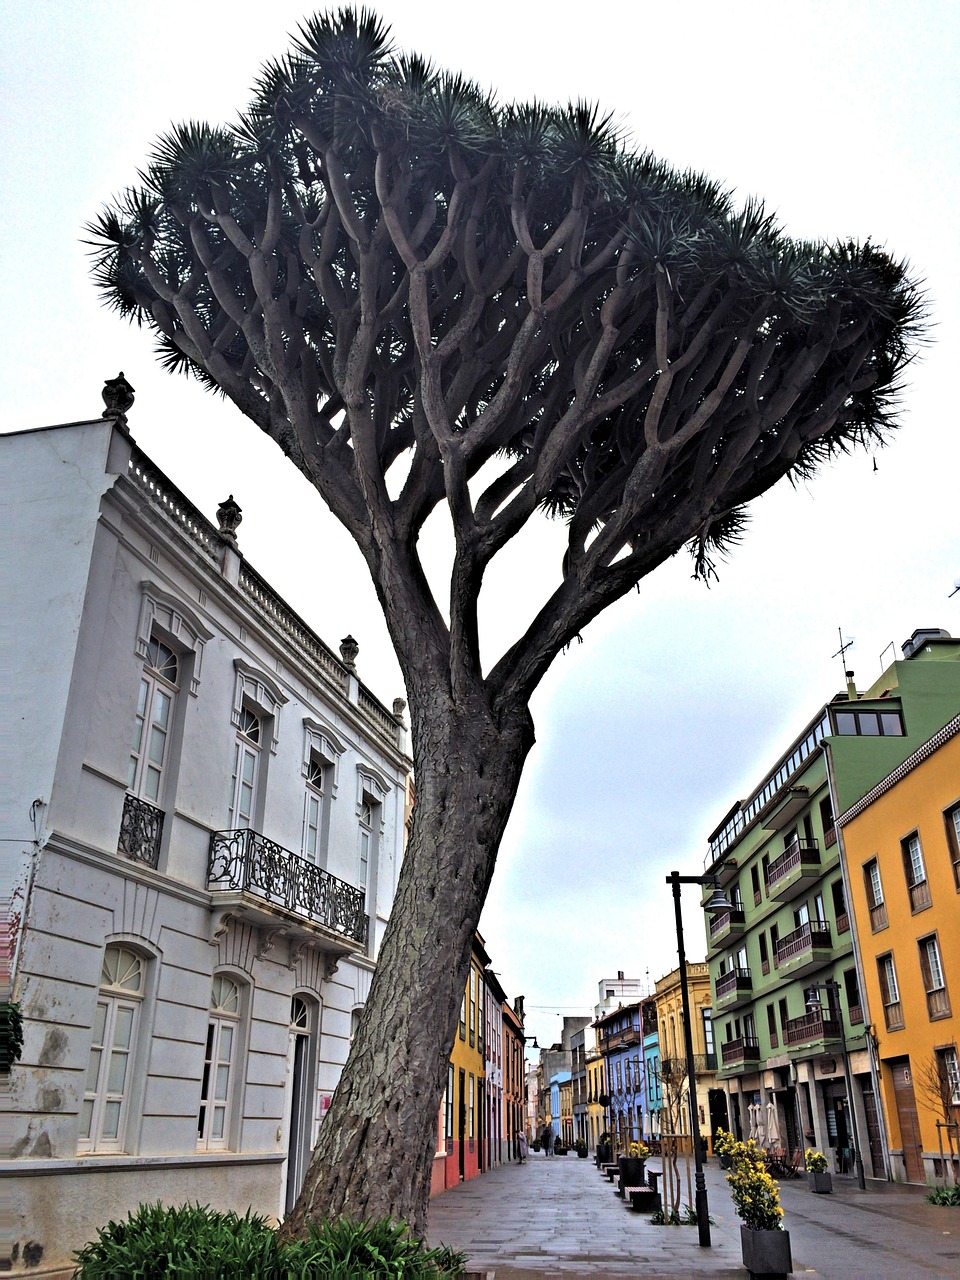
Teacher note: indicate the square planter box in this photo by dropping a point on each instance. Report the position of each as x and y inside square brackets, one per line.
[820, 1183]
[766, 1253]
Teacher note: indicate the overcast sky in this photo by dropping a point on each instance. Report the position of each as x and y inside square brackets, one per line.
[843, 116]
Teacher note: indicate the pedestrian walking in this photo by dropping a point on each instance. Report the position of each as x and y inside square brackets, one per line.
[547, 1139]
[523, 1147]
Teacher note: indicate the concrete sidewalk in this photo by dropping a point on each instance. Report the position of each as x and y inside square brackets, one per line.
[558, 1217]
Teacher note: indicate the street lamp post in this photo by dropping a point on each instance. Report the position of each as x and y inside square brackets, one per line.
[813, 1002]
[718, 902]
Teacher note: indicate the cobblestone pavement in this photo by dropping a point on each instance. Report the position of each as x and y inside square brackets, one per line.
[557, 1216]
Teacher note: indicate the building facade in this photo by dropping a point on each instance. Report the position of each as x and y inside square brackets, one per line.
[620, 1041]
[793, 1023]
[674, 1082]
[902, 845]
[460, 1155]
[215, 809]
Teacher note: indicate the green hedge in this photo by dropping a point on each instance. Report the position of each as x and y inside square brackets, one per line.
[193, 1241]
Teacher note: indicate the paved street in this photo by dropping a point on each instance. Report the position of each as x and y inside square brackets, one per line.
[558, 1217]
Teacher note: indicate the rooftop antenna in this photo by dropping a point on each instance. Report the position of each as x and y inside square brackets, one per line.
[842, 651]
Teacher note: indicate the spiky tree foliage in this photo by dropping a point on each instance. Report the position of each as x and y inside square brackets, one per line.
[430, 299]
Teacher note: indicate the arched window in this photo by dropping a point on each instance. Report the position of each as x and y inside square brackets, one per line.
[103, 1112]
[219, 1065]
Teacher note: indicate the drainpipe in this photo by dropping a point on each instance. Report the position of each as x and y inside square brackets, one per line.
[858, 964]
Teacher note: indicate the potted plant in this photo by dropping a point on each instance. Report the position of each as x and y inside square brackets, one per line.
[633, 1165]
[764, 1245]
[722, 1145]
[819, 1179]
[604, 1149]
[580, 1147]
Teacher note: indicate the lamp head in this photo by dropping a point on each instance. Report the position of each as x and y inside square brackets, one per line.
[718, 898]
[813, 999]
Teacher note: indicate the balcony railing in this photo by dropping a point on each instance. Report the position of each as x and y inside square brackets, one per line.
[812, 1026]
[920, 895]
[878, 916]
[792, 863]
[726, 922]
[843, 922]
[938, 1006]
[248, 862]
[802, 940]
[141, 828]
[893, 1015]
[675, 1069]
[745, 1049]
[856, 1014]
[622, 1039]
[738, 982]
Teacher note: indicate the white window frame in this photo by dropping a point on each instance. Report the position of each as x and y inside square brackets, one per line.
[119, 1002]
[215, 1114]
[951, 1068]
[933, 970]
[155, 688]
[914, 860]
[246, 771]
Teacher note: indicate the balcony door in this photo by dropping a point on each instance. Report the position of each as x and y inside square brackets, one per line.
[299, 1097]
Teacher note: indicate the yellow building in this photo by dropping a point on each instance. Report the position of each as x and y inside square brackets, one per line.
[461, 1155]
[675, 1114]
[596, 1115]
[902, 849]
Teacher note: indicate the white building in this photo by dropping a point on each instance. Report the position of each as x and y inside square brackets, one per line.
[202, 819]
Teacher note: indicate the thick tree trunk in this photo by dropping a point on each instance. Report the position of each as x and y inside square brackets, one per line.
[376, 1145]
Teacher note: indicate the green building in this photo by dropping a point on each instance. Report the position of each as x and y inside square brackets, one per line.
[794, 1036]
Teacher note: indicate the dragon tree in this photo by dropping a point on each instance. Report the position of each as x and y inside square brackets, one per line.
[431, 300]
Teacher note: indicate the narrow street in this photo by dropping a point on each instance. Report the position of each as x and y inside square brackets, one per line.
[558, 1217]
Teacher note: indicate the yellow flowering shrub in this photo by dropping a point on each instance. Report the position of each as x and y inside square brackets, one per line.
[639, 1150]
[816, 1162]
[756, 1195]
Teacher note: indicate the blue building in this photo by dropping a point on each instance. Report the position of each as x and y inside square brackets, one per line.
[651, 1061]
[620, 1040]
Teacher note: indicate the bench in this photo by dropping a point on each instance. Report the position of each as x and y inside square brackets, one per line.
[644, 1200]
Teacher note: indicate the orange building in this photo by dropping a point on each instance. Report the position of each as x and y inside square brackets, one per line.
[902, 848]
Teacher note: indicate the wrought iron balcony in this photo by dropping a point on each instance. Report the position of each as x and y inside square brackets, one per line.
[141, 828]
[791, 872]
[247, 862]
[811, 1028]
[733, 988]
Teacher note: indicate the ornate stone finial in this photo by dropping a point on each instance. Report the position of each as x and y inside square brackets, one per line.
[118, 397]
[229, 517]
[399, 707]
[348, 652]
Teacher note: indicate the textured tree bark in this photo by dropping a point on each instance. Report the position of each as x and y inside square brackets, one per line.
[376, 1145]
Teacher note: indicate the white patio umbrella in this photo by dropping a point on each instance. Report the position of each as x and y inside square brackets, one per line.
[773, 1124]
[753, 1109]
[760, 1126]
